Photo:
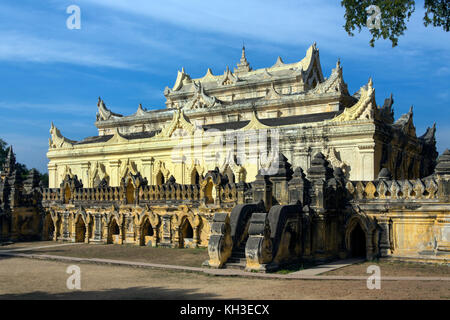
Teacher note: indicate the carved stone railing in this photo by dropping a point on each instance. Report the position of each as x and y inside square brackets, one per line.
[274, 237]
[393, 189]
[171, 193]
[220, 243]
[51, 194]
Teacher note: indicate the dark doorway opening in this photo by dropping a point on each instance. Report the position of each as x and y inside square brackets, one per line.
[358, 242]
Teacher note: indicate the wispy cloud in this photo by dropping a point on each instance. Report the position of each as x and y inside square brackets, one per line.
[17, 47]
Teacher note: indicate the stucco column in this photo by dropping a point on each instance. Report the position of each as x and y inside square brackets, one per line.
[97, 227]
[302, 157]
[52, 176]
[366, 163]
[147, 169]
[385, 245]
[114, 165]
[85, 175]
[178, 166]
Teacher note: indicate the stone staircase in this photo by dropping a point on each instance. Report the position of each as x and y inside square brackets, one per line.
[237, 259]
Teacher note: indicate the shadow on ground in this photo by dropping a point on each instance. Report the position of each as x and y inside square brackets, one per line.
[133, 293]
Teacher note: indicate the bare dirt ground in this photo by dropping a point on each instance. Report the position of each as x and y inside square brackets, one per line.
[22, 278]
[180, 257]
[21, 245]
[393, 268]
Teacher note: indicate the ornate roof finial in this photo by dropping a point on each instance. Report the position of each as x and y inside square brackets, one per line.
[10, 162]
[243, 57]
[370, 84]
[243, 66]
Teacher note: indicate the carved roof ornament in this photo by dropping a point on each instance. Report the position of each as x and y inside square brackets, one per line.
[429, 136]
[201, 100]
[278, 63]
[405, 123]
[334, 84]
[386, 111]
[365, 108]
[267, 74]
[272, 93]
[228, 78]
[128, 167]
[443, 163]
[117, 137]
[140, 111]
[104, 113]
[179, 121]
[335, 160]
[10, 161]
[255, 123]
[182, 78]
[243, 66]
[58, 140]
[208, 76]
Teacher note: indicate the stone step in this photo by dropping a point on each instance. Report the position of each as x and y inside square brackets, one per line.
[236, 260]
[235, 265]
[238, 254]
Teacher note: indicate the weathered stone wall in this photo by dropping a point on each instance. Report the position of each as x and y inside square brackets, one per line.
[326, 216]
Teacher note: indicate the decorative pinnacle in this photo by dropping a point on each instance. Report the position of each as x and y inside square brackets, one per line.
[370, 84]
[243, 65]
[243, 57]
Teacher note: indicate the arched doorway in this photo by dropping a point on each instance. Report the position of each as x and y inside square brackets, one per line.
[147, 233]
[209, 192]
[80, 230]
[67, 194]
[195, 177]
[187, 233]
[160, 178]
[113, 232]
[49, 228]
[358, 242]
[130, 192]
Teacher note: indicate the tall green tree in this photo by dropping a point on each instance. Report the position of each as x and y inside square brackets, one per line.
[393, 17]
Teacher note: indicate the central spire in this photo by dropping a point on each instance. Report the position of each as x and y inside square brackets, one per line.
[243, 66]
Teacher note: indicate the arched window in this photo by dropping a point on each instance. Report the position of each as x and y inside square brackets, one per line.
[130, 192]
[209, 189]
[67, 194]
[80, 230]
[160, 178]
[195, 177]
[358, 242]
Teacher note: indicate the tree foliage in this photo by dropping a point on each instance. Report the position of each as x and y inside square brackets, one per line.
[394, 16]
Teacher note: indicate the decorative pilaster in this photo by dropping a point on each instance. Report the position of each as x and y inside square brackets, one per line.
[262, 190]
[52, 175]
[115, 179]
[166, 240]
[85, 174]
[385, 244]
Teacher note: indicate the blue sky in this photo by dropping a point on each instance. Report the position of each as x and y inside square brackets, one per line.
[127, 52]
